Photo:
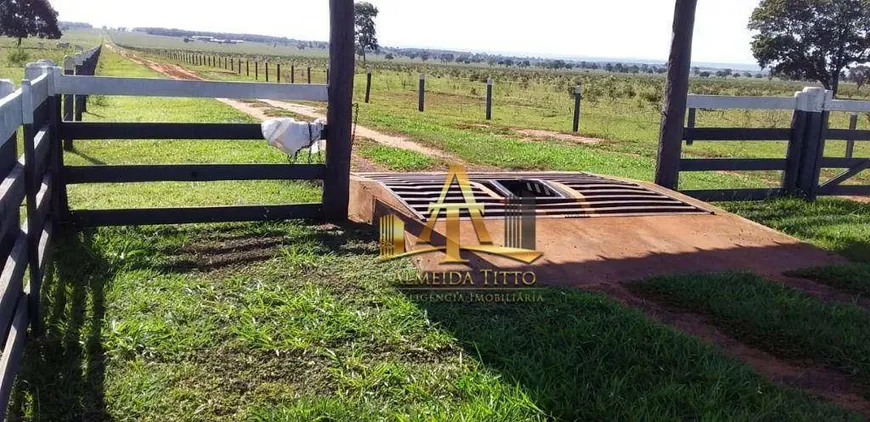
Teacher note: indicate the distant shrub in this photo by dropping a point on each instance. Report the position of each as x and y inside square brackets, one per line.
[17, 56]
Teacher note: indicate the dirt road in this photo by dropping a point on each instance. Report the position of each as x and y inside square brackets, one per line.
[178, 72]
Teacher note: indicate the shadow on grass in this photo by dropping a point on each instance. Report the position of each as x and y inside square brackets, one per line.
[63, 372]
[840, 225]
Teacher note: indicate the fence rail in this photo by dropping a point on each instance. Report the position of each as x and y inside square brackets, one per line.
[32, 180]
[49, 107]
[802, 166]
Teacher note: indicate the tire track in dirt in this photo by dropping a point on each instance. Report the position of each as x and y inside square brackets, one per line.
[829, 384]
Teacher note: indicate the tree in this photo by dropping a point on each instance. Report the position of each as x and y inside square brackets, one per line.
[811, 39]
[364, 25]
[28, 18]
[859, 75]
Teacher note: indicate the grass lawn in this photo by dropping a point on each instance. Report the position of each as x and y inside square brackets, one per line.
[776, 318]
[832, 223]
[291, 321]
[297, 321]
[13, 58]
[853, 278]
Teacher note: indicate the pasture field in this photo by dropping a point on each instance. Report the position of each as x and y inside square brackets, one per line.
[292, 321]
[13, 59]
[296, 321]
[620, 112]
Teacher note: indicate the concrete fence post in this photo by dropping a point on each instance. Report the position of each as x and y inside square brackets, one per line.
[69, 68]
[813, 143]
[421, 93]
[488, 98]
[578, 95]
[79, 100]
[368, 83]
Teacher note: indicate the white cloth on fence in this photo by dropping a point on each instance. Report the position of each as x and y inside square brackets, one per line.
[291, 136]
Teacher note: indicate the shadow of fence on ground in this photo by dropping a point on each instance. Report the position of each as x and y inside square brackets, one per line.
[63, 372]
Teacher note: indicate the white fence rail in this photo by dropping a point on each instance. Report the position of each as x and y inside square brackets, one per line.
[145, 87]
[810, 99]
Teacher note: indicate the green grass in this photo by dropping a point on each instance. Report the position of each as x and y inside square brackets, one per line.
[853, 278]
[30, 51]
[298, 321]
[840, 225]
[396, 159]
[289, 321]
[454, 122]
[781, 320]
[166, 194]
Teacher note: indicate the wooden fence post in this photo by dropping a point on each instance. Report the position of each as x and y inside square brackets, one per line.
[850, 143]
[247, 68]
[256, 70]
[488, 98]
[292, 74]
[309, 74]
[421, 93]
[79, 100]
[69, 66]
[676, 95]
[278, 73]
[336, 182]
[578, 95]
[690, 123]
[31, 188]
[327, 75]
[59, 200]
[232, 64]
[368, 83]
[267, 71]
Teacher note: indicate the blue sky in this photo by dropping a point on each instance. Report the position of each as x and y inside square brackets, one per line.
[638, 29]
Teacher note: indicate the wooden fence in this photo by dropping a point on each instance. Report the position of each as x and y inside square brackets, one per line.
[49, 106]
[271, 71]
[32, 179]
[804, 159]
[80, 131]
